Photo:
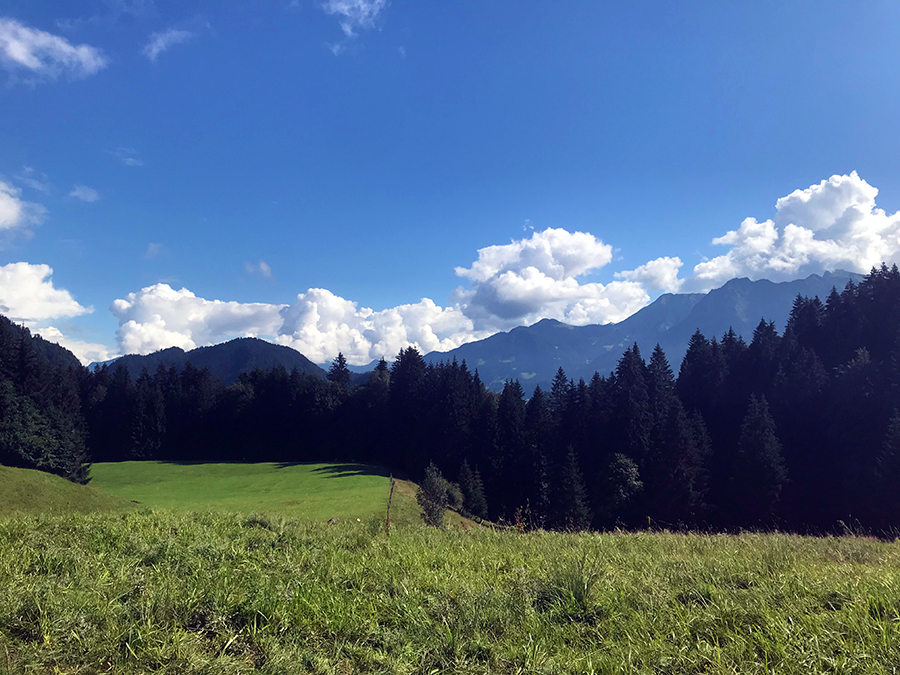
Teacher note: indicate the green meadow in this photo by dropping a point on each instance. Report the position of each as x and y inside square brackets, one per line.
[307, 491]
[229, 568]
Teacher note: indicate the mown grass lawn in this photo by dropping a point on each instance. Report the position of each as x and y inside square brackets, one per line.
[163, 592]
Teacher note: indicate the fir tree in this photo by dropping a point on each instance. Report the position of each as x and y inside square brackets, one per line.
[759, 472]
[339, 373]
[474, 501]
[571, 500]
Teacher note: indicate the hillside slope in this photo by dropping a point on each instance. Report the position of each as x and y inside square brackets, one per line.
[29, 492]
[225, 361]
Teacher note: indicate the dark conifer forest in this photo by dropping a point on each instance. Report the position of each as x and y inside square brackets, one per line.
[798, 431]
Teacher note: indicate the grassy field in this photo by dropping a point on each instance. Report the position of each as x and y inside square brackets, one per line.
[27, 492]
[304, 491]
[150, 592]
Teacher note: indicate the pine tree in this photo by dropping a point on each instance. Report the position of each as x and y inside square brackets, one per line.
[339, 373]
[759, 472]
[474, 501]
[571, 499]
[631, 407]
[887, 477]
[538, 430]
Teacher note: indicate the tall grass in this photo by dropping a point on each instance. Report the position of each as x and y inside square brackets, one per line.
[161, 592]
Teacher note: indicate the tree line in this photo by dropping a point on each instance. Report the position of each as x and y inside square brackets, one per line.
[798, 430]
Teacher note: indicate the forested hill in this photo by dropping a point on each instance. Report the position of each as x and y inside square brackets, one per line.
[224, 361]
[533, 354]
[41, 420]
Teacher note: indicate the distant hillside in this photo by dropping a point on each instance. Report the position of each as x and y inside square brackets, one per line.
[225, 361]
[30, 492]
[534, 353]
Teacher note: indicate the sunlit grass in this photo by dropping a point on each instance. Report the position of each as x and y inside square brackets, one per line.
[171, 592]
[307, 491]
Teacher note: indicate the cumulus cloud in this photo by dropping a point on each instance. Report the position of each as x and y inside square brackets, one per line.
[660, 274]
[160, 42]
[320, 324]
[45, 56]
[832, 225]
[27, 294]
[514, 284]
[85, 193]
[17, 215]
[86, 352]
[159, 316]
[530, 279]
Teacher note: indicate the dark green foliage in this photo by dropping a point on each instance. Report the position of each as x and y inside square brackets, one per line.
[572, 512]
[473, 499]
[41, 420]
[620, 488]
[339, 373]
[433, 496]
[759, 471]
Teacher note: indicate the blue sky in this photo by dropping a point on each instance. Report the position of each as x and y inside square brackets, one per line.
[310, 171]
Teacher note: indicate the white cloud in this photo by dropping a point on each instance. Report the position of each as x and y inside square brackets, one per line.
[45, 56]
[832, 225]
[84, 193]
[153, 250]
[128, 156]
[27, 294]
[320, 324]
[262, 268]
[159, 316]
[15, 213]
[35, 180]
[660, 274]
[86, 352]
[160, 42]
[530, 279]
[514, 284]
[355, 15]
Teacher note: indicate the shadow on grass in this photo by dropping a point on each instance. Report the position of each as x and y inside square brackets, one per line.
[336, 470]
[345, 470]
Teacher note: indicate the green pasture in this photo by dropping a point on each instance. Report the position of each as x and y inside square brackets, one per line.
[27, 492]
[307, 491]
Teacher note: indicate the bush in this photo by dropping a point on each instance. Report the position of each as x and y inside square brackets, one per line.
[433, 496]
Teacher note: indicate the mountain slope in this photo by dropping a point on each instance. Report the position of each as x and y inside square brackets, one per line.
[534, 353]
[225, 361]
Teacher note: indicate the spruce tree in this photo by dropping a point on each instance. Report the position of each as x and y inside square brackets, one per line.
[571, 499]
[759, 472]
[339, 373]
[887, 478]
[474, 501]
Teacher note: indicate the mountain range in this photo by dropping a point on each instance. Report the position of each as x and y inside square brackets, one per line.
[533, 354]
